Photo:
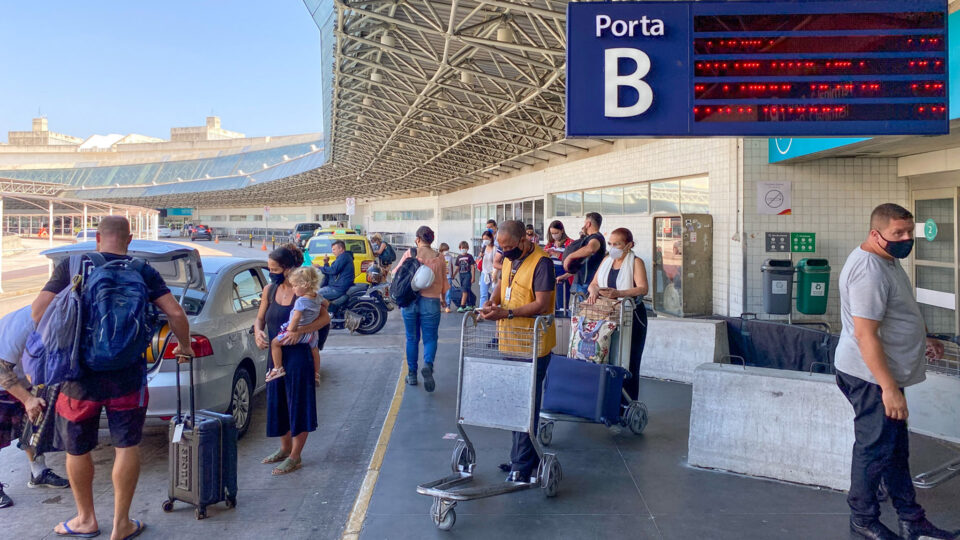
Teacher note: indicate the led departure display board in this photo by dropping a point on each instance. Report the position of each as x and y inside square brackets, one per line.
[767, 68]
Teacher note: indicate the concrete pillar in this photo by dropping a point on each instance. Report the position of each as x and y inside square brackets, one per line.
[84, 227]
[50, 243]
[2, 227]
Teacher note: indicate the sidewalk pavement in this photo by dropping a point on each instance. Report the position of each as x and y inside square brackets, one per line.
[614, 485]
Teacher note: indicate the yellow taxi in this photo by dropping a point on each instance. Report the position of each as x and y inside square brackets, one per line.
[321, 246]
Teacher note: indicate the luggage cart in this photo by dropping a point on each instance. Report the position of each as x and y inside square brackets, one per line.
[496, 389]
[634, 414]
[949, 364]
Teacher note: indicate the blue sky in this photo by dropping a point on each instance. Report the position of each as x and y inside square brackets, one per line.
[132, 66]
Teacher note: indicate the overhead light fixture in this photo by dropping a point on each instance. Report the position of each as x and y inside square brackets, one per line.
[505, 34]
[388, 40]
[367, 101]
[466, 77]
[376, 77]
[412, 132]
[265, 166]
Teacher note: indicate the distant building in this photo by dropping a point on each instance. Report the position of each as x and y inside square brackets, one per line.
[210, 132]
[40, 135]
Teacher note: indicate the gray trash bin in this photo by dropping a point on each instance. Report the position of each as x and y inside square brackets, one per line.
[777, 286]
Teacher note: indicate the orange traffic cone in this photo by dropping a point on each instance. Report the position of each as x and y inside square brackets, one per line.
[216, 239]
[263, 247]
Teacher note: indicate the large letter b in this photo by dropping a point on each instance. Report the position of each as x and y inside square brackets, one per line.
[612, 81]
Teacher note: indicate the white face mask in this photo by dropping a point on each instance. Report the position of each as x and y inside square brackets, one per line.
[463, 251]
[557, 236]
[616, 253]
[486, 242]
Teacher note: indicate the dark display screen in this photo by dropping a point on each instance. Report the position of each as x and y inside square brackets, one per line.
[819, 67]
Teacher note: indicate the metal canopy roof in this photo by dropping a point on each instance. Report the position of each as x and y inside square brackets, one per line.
[430, 96]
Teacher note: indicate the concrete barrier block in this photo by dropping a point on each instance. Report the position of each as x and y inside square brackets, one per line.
[771, 423]
[675, 347]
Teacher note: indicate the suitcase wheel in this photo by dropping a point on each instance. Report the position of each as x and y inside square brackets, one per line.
[167, 505]
[231, 502]
[201, 512]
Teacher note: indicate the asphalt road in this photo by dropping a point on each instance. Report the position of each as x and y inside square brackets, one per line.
[360, 376]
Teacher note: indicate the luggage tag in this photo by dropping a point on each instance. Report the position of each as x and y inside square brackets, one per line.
[177, 433]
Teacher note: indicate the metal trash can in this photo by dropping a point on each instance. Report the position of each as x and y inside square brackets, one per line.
[777, 286]
[813, 285]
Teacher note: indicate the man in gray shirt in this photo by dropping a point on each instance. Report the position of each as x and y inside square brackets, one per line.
[881, 351]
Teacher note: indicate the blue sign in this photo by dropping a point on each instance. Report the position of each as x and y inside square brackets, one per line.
[775, 68]
[179, 211]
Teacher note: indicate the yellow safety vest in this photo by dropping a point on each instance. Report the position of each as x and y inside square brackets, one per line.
[517, 334]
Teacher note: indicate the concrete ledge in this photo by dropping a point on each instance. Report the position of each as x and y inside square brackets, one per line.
[771, 423]
[675, 347]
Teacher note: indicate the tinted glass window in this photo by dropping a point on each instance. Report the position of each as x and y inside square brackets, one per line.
[247, 291]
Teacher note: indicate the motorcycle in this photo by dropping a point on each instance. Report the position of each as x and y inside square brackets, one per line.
[363, 309]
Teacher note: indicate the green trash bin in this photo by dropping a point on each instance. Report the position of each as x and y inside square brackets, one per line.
[813, 286]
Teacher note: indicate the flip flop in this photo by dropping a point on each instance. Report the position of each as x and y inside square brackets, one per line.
[74, 534]
[136, 533]
[287, 467]
[275, 457]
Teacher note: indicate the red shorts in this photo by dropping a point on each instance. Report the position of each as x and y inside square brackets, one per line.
[78, 420]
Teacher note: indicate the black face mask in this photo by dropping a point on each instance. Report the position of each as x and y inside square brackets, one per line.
[513, 254]
[276, 279]
[898, 249]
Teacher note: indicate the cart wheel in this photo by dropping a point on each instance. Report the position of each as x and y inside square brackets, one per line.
[463, 457]
[448, 520]
[167, 505]
[545, 433]
[637, 417]
[231, 502]
[551, 480]
[201, 513]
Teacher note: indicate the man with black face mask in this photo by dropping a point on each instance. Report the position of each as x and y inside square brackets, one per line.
[881, 351]
[526, 290]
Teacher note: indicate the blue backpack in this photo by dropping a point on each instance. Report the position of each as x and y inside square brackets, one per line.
[401, 289]
[118, 321]
[52, 351]
[389, 255]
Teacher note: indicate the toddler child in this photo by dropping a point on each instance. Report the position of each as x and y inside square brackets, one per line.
[306, 308]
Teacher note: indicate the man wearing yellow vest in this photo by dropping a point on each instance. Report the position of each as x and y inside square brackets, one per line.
[526, 290]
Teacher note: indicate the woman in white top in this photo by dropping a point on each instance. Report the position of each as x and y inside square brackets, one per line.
[623, 275]
[487, 271]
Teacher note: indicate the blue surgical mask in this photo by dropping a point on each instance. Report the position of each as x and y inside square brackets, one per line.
[898, 249]
[276, 279]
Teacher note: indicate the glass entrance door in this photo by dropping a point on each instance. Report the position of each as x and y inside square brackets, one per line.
[935, 260]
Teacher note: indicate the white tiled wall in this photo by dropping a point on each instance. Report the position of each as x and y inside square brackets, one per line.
[831, 197]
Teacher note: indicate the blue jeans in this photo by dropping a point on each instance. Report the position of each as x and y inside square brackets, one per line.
[447, 297]
[330, 293]
[484, 290]
[421, 317]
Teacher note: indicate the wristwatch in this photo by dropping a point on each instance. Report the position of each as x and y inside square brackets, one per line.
[509, 313]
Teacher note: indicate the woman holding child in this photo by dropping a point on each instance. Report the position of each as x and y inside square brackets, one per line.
[291, 398]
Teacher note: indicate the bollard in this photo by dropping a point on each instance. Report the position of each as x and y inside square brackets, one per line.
[251, 240]
[274, 240]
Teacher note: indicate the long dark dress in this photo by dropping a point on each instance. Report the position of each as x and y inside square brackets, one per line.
[291, 399]
[638, 338]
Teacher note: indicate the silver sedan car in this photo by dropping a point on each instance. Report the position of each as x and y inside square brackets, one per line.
[221, 297]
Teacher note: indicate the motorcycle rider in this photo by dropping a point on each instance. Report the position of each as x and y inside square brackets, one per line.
[340, 274]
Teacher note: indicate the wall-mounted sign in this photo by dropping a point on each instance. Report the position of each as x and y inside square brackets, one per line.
[756, 68]
[930, 230]
[774, 198]
[777, 242]
[803, 242]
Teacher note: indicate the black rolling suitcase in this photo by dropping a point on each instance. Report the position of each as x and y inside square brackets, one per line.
[203, 457]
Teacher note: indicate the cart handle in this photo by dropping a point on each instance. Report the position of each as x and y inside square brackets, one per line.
[731, 358]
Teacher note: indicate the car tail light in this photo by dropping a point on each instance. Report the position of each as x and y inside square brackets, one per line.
[298, 236]
[364, 265]
[200, 344]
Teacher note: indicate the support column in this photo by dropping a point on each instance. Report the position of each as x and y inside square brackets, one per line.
[50, 242]
[2, 227]
[84, 227]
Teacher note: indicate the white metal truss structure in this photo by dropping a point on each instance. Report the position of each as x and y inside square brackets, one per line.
[431, 96]
[10, 185]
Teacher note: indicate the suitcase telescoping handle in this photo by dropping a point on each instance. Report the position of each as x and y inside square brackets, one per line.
[193, 412]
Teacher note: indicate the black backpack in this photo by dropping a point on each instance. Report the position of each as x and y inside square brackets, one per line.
[575, 264]
[401, 289]
[389, 256]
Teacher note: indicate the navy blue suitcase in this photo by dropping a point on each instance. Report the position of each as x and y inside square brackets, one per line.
[203, 462]
[456, 294]
[583, 389]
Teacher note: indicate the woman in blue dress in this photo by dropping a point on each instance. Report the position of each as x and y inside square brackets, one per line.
[292, 399]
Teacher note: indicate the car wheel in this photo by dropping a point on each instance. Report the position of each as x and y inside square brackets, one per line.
[241, 396]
